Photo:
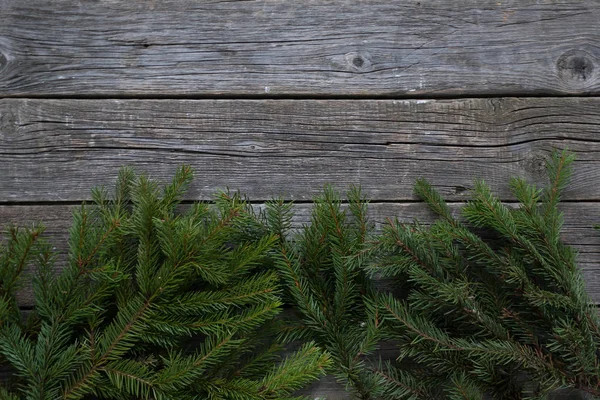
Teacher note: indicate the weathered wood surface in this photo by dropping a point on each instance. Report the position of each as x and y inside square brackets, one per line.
[580, 219]
[298, 48]
[56, 150]
[52, 151]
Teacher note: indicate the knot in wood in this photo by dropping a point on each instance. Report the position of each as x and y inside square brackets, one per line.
[359, 61]
[3, 61]
[535, 164]
[576, 68]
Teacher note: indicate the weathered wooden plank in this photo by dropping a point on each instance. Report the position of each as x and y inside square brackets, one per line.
[278, 47]
[578, 230]
[56, 150]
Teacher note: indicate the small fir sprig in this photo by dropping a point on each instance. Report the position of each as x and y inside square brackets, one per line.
[321, 268]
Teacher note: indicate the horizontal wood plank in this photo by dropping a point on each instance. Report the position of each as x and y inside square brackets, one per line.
[578, 230]
[303, 47]
[57, 150]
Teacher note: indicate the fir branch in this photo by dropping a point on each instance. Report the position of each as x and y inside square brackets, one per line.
[295, 371]
[400, 384]
[73, 389]
[181, 371]
[141, 281]
[23, 244]
[512, 305]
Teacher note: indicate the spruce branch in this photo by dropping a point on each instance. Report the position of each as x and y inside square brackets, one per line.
[155, 302]
[322, 269]
[497, 293]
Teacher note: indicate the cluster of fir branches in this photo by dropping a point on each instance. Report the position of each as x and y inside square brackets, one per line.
[492, 303]
[322, 270]
[485, 301]
[152, 303]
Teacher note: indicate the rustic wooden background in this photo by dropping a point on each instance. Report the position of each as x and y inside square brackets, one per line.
[280, 97]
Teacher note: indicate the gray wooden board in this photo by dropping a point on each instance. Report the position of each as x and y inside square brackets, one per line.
[578, 230]
[303, 47]
[57, 150]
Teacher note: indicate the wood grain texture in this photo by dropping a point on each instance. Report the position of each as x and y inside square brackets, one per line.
[277, 47]
[578, 231]
[57, 150]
